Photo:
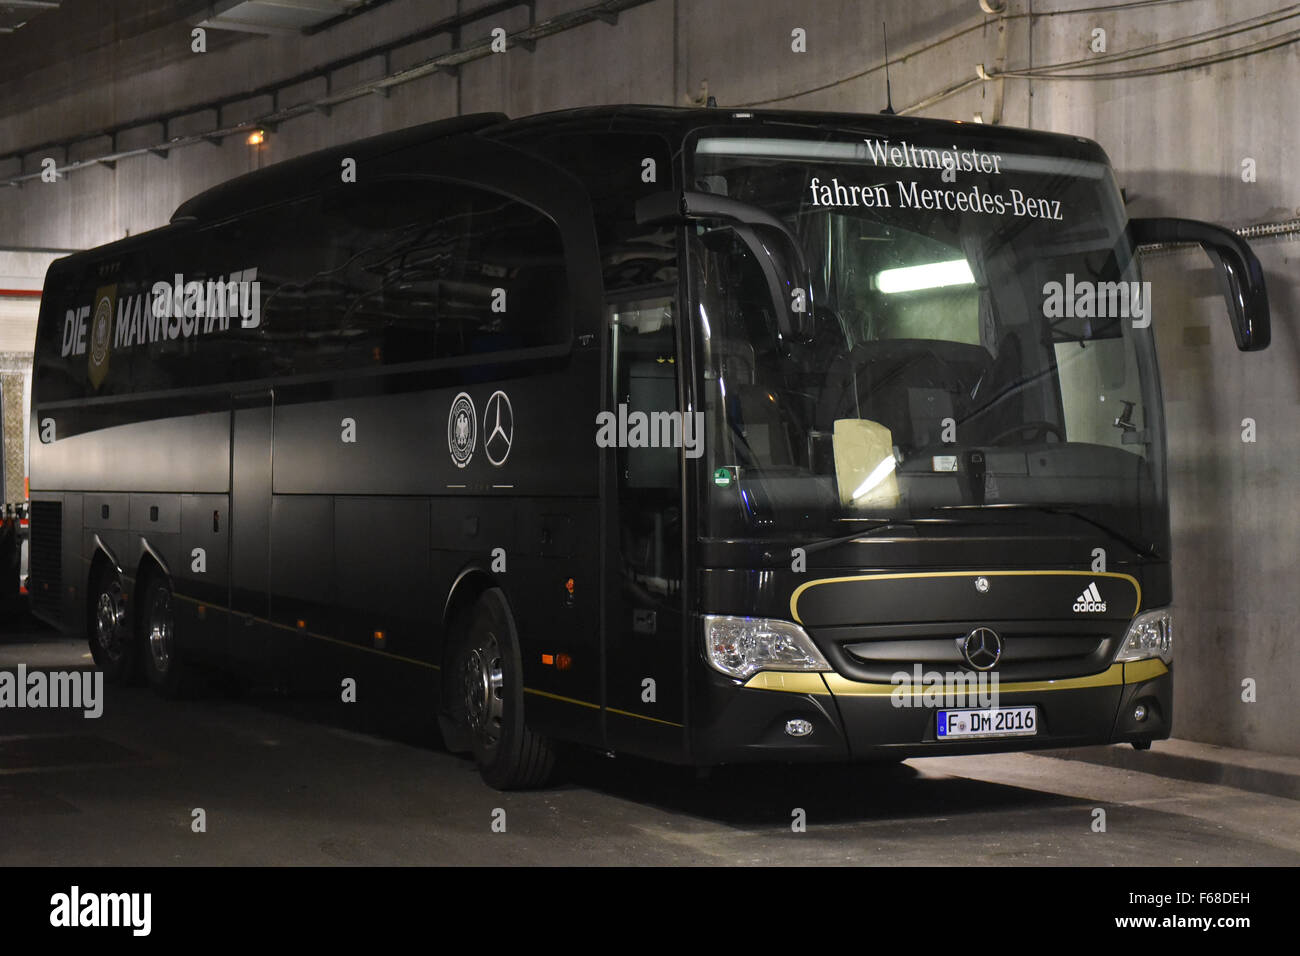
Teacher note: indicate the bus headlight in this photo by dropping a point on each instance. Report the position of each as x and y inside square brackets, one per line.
[1150, 635]
[743, 646]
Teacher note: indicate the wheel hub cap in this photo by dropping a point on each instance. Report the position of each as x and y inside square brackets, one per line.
[110, 617]
[160, 632]
[482, 689]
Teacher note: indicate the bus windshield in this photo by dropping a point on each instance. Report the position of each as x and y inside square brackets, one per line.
[973, 340]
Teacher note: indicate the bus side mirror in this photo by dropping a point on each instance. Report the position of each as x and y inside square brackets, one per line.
[1239, 271]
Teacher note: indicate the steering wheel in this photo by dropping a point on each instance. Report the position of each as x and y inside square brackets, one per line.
[1039, 429]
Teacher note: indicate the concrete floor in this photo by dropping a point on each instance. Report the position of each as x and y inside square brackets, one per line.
[279, 786]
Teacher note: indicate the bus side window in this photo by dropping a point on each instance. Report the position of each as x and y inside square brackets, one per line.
[431, 270]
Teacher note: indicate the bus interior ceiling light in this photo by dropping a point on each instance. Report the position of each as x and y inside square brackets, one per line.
[932, 275]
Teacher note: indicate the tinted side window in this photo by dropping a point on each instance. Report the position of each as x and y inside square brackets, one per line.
[361, 277]
[618, 169]
[112, 325]
[413, 271]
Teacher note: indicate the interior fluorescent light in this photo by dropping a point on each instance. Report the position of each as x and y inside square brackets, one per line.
[932, 275]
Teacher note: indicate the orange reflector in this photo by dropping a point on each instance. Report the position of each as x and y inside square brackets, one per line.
[568, 585]
[548, 659]
[302, 624]
[379, 635]
[563, 662]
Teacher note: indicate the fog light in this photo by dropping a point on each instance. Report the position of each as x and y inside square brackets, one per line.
[1140, 712]
[798, 727]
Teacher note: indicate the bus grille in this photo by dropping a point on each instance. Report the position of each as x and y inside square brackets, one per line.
[1033, 650]
[46, 559]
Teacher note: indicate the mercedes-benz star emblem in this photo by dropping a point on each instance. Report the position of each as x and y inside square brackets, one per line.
[982, 585]
[982, 648]
[499, 426]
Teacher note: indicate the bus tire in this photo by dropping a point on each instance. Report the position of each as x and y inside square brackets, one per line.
[168, 675]
[488, 680]
[113, 644]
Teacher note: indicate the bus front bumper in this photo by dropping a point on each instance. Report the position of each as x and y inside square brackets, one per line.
[815, 716]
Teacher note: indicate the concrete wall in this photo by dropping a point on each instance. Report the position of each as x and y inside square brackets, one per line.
[1177, 141]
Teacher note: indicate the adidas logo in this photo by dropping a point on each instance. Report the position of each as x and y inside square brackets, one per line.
[1090, 600]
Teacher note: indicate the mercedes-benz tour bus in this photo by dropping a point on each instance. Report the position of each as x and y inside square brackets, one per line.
[700, 435]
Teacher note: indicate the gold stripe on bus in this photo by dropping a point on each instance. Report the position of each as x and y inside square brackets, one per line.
[565, 700]
[1112, 676]
[798, 683]
[794, 597]
[306, 633]
[586, 703]
[1135, 672]
[628, 713]
[411, 660]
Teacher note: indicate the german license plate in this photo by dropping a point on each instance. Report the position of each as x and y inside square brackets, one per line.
[993, 722]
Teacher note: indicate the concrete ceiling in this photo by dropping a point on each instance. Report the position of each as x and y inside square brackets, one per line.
[14, 14]
[75, 28]
[274, 16]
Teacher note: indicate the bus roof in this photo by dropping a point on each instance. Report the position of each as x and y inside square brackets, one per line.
[293, 176]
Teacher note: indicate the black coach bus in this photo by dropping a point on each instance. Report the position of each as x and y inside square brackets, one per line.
[706, 436]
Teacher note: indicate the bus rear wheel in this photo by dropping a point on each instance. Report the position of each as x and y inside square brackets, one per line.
[168, 676]
[487, 679]
[112, 644]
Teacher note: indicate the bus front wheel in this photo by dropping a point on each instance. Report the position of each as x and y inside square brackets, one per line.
[488, 684]
[112, 644]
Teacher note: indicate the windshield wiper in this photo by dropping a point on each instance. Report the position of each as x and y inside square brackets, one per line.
[882, 524]
[1143, 550]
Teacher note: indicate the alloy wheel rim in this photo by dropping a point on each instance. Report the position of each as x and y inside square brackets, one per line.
[110, 616]
[160, 631]
[483, 690]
